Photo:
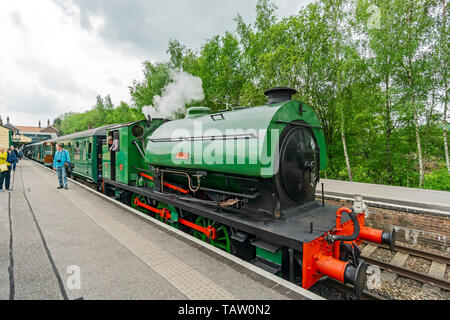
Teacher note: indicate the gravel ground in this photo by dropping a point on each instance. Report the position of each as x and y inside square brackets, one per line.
[382, 254]
[418, 264]
[329, 293]
[407, 289]
[402, 288]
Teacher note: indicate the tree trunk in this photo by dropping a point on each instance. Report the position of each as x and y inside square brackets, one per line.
[344, 144]
[413, 104]
[388, 132]
[447, 160]
[445, 78]
[419, 149]
[338, 86]
[429, 120]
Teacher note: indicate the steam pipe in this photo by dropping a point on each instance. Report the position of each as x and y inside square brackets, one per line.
[356, 229]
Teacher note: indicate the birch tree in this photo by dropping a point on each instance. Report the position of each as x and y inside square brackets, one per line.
[443, 55]
[337, 15]
[413, 26]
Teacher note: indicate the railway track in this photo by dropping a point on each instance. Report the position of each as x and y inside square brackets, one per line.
[401, 270]
[421, 254]
[345, 288]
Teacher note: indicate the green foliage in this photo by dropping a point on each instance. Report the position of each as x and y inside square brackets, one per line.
[156, 77]
[103, 113]
[438, 180]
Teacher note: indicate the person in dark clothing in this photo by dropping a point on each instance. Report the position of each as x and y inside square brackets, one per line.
[16, 152]
[14, 157]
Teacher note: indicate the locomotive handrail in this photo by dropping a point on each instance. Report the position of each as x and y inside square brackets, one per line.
[298, 124]
[139, 148]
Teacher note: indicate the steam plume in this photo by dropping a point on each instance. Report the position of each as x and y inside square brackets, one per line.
[184, 89]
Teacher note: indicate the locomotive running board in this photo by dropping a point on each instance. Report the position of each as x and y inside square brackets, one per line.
[291, 233]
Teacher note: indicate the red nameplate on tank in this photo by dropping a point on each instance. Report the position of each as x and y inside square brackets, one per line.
[182, 156]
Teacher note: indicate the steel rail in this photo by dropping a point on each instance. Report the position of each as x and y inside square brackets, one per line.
[420, 254]
[425, 278]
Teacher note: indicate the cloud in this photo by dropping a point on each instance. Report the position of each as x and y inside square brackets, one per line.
[147, 25]
[46, 53]
[57, 55]
[32, 101]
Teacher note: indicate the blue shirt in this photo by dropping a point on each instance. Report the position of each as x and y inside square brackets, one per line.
[61, 157]
[12, 158]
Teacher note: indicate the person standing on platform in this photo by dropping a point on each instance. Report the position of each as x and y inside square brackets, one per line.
[61, 157]
[14, 157]
[5, 168]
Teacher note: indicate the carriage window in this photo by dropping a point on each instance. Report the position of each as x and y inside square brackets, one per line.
[76, 153]
[89, 150]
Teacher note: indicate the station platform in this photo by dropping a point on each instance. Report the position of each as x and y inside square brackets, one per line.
[79, 244]
[418, 200]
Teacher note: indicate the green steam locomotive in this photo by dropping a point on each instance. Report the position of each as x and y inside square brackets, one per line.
[243, 180]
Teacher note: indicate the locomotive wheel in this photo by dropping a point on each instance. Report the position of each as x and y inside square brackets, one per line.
[171, 209]
[142, 199]
[223, 237]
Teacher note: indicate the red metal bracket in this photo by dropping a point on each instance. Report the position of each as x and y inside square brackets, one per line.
[168, 185]
[164, 213]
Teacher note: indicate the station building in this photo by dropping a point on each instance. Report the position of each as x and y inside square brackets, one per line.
[30, 134]
[5, 136]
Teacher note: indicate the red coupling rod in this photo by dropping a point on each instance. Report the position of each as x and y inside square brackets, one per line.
[164, 213]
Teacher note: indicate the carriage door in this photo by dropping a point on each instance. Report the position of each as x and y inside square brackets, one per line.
[113, 155]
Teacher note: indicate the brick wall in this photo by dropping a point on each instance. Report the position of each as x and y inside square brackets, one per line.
[427, 230]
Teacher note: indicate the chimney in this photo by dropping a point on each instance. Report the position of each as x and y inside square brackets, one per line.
[1, 121]
[7, 119]
[48, 123]
[280, 94]
[39, 123]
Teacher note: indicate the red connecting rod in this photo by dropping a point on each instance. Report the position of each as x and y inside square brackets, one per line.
[164, 213]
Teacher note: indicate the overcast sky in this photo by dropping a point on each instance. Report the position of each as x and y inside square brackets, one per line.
[58, 55]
